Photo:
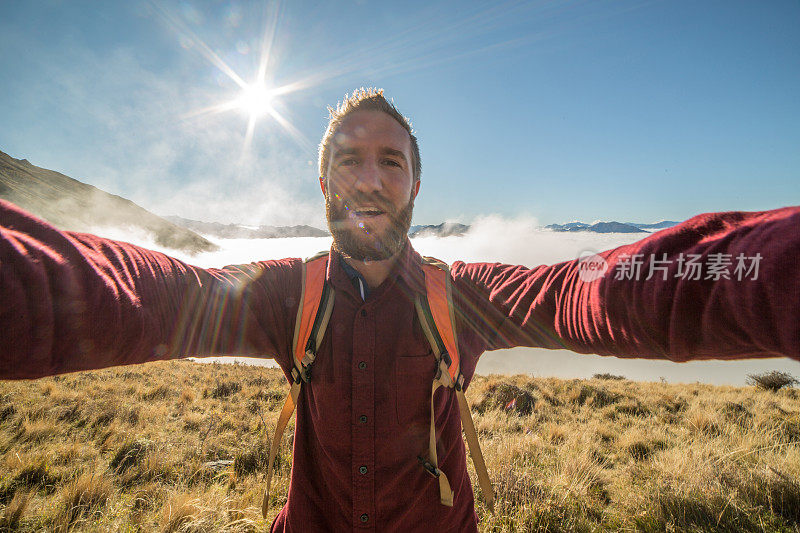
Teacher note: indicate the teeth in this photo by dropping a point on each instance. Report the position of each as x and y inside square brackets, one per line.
[368, 211]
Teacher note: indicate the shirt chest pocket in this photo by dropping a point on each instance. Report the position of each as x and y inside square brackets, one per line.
[413, 381]
[329, 396]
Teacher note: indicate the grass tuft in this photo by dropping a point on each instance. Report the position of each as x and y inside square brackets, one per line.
[251, 459]
[607, 376]
[772, 381]
[130, 454]
[507, 397]
[14, 511]
[223, 389]
[82, 500]
[582, 394]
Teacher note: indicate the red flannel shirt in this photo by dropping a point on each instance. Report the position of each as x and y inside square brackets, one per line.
[71, 301]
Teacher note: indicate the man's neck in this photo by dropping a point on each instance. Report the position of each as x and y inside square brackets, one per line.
[374, 272]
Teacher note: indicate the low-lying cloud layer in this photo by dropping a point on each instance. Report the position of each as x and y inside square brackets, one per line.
[516, 241]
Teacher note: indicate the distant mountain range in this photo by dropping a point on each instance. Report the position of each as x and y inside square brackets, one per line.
[612, 227]
[72, 205]
[239, 231]
[445, 229]
[658, 225]
[448, 229]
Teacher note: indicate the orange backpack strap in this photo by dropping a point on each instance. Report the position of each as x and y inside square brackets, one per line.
[437, 319]
[313, 314]
[438, 308]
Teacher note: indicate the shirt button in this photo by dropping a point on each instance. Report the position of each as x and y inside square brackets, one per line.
[363, 313]
[363, 419]
[364, 517]
[362, 365]
[363, 469]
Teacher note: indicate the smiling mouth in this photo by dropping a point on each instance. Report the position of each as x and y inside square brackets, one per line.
[367, 212]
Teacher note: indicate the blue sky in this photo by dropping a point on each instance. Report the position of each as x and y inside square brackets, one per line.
[621, 110]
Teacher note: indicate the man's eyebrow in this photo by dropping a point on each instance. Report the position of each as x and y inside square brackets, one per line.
[355, 151]
[396, 153]
[345, 151]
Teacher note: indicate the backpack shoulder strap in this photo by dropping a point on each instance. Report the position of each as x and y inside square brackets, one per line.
[313, 314]
[437, 319]
[439, 322]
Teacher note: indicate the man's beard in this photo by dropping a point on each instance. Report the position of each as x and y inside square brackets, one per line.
[361, 243]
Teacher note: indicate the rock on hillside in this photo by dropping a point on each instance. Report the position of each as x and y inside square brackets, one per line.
[72, 205]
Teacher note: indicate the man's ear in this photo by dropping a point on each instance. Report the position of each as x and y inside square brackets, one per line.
[323, 185]
[416, 188]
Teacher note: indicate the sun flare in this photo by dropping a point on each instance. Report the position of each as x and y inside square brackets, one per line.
[255, 100]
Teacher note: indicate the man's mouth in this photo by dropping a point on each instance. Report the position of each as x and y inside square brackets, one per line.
[367, 212]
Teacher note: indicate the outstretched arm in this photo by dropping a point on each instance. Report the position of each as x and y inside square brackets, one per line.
[718, 286]
[75, 301]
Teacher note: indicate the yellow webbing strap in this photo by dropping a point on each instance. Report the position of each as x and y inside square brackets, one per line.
[280, 427]
[445, 492]
[475, 451]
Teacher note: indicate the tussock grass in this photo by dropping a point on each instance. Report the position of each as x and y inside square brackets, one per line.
[772, 381]
[13, 512]
[82, 500]
[182, 447]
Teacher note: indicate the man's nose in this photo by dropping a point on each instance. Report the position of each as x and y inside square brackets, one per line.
[368, 177]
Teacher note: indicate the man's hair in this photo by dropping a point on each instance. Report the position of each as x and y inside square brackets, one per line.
[362, 99]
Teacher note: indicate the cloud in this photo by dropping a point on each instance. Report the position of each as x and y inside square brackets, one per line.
[518, 241]
[490, 238]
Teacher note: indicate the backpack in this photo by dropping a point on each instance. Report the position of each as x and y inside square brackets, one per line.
[438, 324]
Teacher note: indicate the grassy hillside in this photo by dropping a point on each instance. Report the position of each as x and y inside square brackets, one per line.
[180, 446]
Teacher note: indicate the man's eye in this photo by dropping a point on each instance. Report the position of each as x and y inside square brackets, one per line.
[348, 162]
[391, 163]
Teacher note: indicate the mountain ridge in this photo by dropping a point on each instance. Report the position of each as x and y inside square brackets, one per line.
[611, 227]
[445, 229]
[73, 205]
[240, 231]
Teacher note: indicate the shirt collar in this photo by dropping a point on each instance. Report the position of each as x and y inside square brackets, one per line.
[355, 276]
[407, 267]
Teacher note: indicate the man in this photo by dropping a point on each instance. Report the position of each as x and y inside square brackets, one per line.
[75, 301]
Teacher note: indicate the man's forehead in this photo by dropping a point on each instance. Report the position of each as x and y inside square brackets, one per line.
[368, 129]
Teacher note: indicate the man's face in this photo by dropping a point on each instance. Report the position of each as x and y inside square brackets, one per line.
[370, 189]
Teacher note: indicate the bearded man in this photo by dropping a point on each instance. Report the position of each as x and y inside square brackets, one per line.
[370, 170]
[71, 301]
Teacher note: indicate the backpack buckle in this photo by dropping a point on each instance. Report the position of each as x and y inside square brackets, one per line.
[304, 374]
[446, 358]
[432, 470]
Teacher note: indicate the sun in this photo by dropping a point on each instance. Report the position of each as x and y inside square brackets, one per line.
[255, 100]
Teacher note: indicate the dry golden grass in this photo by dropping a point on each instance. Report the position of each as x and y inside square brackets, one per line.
[181, 447]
